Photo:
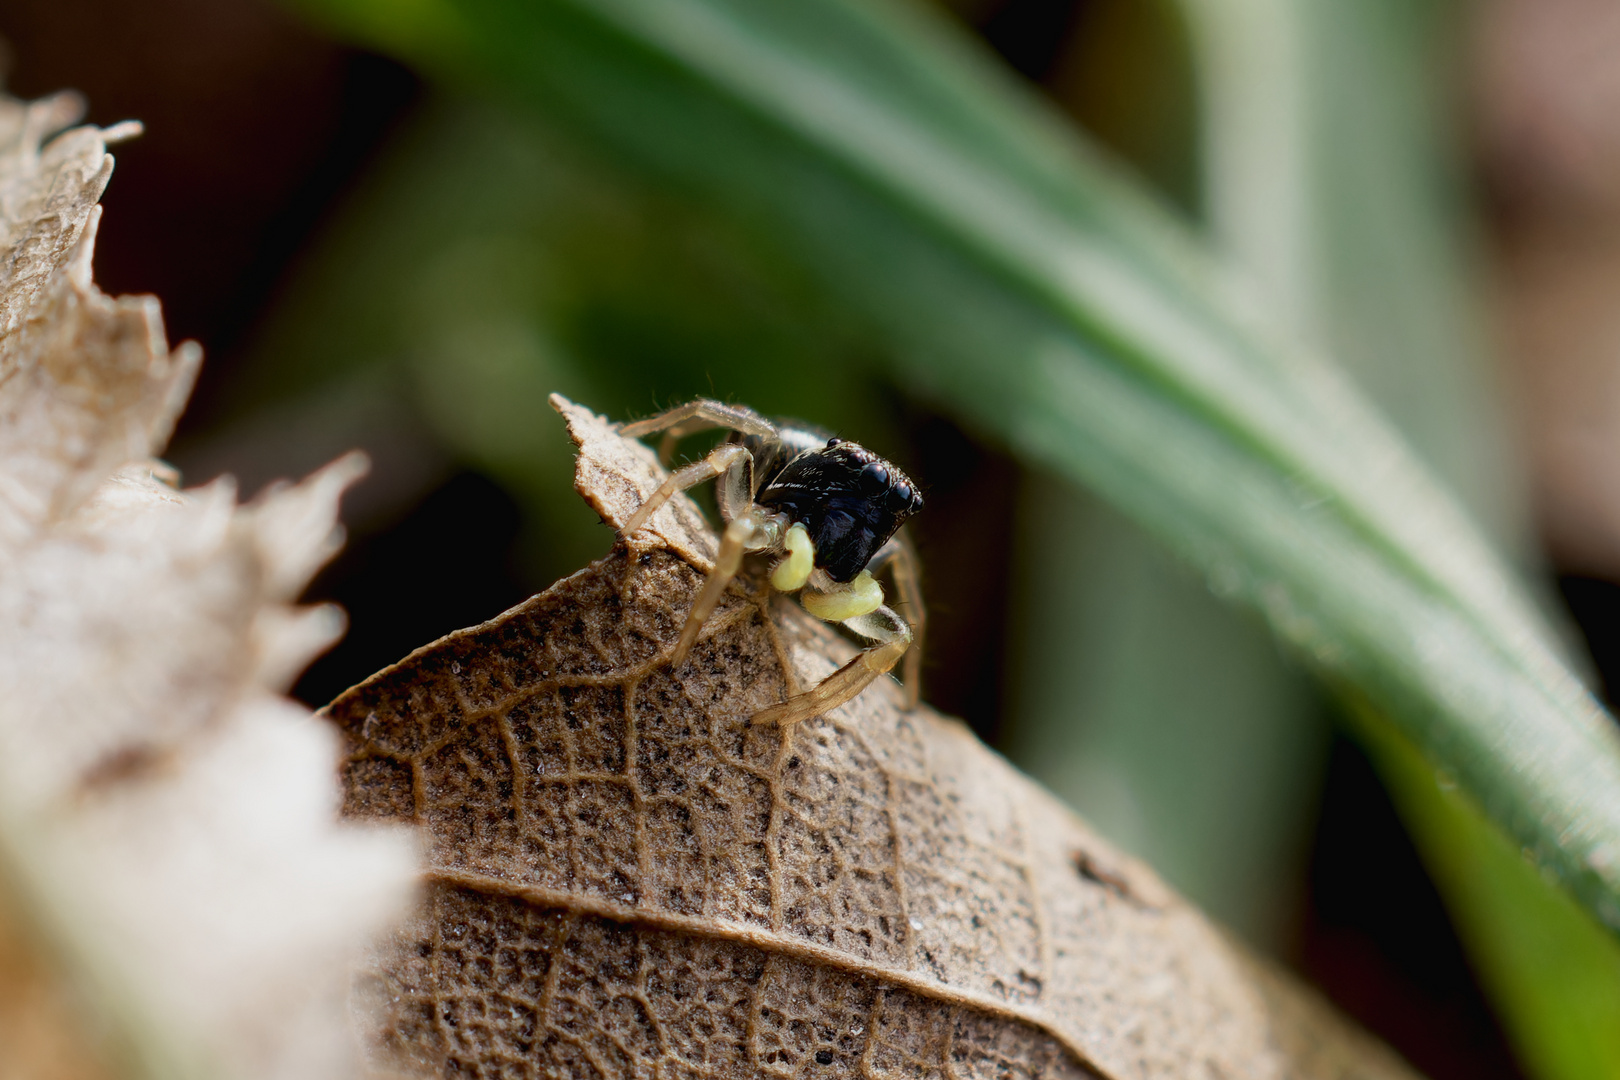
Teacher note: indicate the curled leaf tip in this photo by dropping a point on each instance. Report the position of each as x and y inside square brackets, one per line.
[123, 131]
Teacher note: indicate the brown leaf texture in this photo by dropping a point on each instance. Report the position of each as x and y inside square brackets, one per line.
[169, 842]
[628, 880]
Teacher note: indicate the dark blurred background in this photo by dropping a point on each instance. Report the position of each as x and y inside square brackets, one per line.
[279, 169]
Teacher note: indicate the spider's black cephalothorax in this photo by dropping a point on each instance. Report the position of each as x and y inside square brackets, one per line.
[848, 499]
[831, 514]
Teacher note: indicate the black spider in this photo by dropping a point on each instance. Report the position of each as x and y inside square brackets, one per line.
[831, 509]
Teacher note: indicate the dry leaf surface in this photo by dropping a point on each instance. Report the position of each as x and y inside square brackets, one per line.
[627, 880]
[168, 832]
[40, 1030]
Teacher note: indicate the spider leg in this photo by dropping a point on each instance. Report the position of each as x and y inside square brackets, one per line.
[673, 436]
[722, 460]
[900, 556]
[696, 416]
[753, 530]
[891, 636]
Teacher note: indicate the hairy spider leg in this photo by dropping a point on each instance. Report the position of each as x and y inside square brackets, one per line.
[892, 637]
[735, 493]
[755, 529]
[900, 556]
[748, 528]
[696, 416]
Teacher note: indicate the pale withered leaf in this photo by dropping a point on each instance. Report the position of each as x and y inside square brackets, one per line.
[40, 1020]
[168, 828]
[628, 880]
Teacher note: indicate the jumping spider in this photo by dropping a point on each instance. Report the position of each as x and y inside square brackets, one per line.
[831, 510]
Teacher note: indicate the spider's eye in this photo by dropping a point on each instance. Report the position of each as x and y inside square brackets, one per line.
[833, 442]
[874, 480]
[900, 498]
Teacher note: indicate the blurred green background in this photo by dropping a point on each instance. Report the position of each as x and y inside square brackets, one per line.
[407, 249]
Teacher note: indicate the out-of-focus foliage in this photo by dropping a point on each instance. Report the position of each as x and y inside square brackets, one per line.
[492, 259]
[1551, 972]
[1169, 718]
[1374, 260]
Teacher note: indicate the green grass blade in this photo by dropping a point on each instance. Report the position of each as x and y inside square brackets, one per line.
[1024, 284]
[1173, 721]
[1346, 101]
[1550, 970]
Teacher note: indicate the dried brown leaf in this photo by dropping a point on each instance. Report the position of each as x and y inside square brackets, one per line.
[626, 879]
[168, 832]
[40, 1027]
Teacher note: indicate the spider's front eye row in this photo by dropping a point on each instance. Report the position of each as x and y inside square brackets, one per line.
[874, 480]
[877, 482]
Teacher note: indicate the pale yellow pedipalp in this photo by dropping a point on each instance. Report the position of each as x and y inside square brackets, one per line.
[860, 597]
[794, 569]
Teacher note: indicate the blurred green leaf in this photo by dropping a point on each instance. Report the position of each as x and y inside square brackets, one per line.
[1345, 103]
[1332, 162]
[1038, 294]
[1172, 721]
[1550, 969]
